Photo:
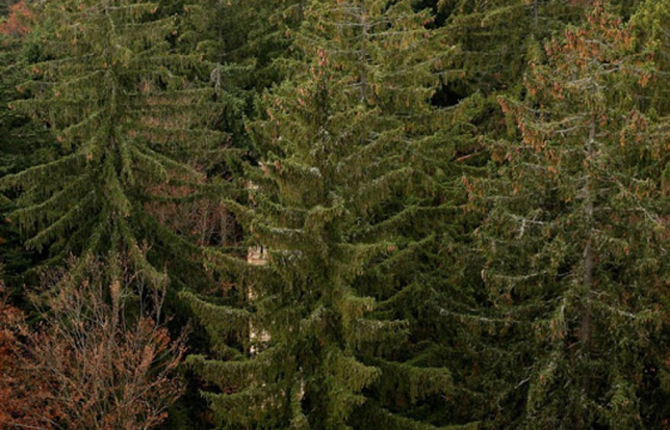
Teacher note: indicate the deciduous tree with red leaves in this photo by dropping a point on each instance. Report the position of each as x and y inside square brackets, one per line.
[20, 396]
[11, 326]
[101, 361]
[18, 22]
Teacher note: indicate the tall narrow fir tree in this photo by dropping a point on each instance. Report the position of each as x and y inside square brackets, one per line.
[356, 188]
[129, 112]
[576, 229]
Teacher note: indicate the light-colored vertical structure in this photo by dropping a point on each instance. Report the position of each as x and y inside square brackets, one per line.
[256, 256]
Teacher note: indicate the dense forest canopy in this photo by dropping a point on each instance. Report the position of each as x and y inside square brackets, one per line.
[335, 214]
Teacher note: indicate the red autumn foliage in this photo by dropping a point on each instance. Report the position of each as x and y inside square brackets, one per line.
[101, 361]
[203, 221]
[19, 21]
[11, 326]
[20, 396]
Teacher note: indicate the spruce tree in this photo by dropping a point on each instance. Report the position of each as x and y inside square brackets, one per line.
[256, 34]
[652, 30]
[575, 232]
[494, 38]
[356, 189]
[651, 27]
[129, 111]
[23, 143]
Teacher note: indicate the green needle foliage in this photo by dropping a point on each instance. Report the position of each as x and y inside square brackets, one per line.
[494, 38]
[23, 143]
[254, 33]
[575, 239]
[357, 190]
[129, 111]
[651, 23]
[454, 213]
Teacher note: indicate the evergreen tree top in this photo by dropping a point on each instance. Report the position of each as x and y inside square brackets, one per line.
[128, 111]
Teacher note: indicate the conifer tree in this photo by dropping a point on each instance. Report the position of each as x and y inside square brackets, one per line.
[651, 23]
[575, 233]
[494, 38]
[652, 29]
[129, 112]
[254, 34]
[23, 142]
[356, 188]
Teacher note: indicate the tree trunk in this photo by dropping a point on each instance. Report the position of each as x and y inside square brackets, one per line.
[588, 262]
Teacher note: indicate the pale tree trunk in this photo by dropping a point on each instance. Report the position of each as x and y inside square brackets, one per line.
[586, 329]
[256, 256]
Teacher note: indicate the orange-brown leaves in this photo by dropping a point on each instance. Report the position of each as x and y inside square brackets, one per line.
[19, 21]
[204, 221]
[11, 323]
[94, 364]
[585, 57]
[22, 399]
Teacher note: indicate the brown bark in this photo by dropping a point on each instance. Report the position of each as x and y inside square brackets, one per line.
[586, 328]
